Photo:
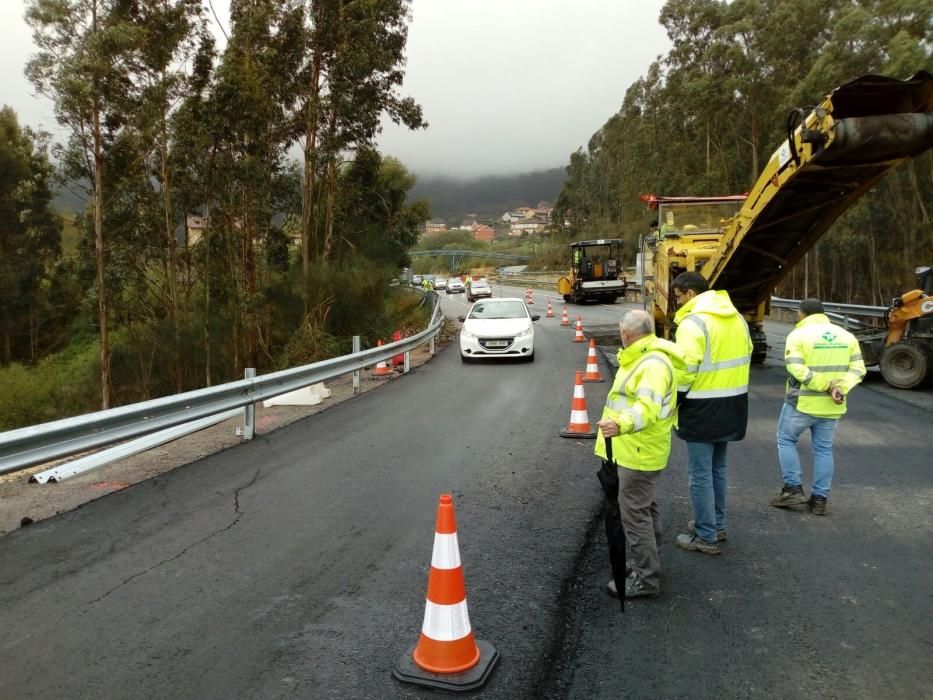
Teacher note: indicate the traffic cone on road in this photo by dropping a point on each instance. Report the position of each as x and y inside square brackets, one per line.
[579, 426]
[529, 296]
[592, 365]
[578, 336]
[447, 656]
[550, 310]
[382, 369]
[564, 318]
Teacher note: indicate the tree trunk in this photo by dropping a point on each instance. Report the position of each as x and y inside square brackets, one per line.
[170, 246]
[308, 223]
[102, 303]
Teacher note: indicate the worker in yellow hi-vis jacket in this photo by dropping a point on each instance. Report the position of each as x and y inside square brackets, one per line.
[635, 440]
[824, 362]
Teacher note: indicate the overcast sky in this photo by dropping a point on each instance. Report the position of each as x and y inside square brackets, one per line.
[506, 85]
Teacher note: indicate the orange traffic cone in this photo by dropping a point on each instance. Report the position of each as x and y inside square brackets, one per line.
[564, 318]
[578, 336]
[447, 656]
[592, 365]
[550, 311]
[579, 426]
[529, 296]
[382, 369]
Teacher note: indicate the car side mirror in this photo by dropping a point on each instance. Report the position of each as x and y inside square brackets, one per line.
[536, 317]
[461, 318]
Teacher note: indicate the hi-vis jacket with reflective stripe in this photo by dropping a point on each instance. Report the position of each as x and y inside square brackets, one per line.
[816, 353]
[713, 392]
[642, 400]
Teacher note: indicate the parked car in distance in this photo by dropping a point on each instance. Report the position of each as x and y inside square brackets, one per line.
[477, 289]
[498, 328]
[416, 280]
[454, 286]
[440, 283]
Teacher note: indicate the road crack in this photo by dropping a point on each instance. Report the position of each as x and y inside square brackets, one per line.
[237, 515]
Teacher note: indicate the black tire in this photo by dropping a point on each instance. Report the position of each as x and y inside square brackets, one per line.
[907, 364]
[566, 298]
[464, 359]
[530, 358]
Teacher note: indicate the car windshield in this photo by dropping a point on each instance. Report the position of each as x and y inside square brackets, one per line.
[499, 309]
[480, 283]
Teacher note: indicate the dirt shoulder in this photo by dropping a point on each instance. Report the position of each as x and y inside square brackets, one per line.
[22, 502]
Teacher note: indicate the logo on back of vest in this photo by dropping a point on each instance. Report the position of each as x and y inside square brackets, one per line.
[828, 336]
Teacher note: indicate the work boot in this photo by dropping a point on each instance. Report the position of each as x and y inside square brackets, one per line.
[611, 588]
[692, 543]
[636, 588]
[817, 505]
[789, 496]
[720, 534]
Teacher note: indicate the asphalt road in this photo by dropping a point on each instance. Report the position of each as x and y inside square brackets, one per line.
[295, 566]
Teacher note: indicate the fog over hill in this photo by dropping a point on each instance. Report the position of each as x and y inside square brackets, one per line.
[489, 196]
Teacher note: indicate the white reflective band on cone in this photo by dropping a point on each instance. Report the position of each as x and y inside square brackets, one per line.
[446, 552]
[579, 417]
[446, 623]
[578, 391]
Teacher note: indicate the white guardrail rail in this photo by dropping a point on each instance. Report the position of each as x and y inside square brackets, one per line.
[43, 443]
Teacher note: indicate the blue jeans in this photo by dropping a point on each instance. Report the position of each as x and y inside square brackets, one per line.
[791, 425]
[706, 462]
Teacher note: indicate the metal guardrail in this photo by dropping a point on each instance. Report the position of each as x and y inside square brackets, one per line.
[838, 312]
[37, 444]
[841, 309]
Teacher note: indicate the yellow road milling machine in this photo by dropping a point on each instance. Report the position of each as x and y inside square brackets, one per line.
[747, 244]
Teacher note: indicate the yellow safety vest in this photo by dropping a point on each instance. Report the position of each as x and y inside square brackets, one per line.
[717, 350]
[643, 401]
[817, 352]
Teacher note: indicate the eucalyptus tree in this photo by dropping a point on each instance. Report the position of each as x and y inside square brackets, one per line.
[83, 49]
[351, 80]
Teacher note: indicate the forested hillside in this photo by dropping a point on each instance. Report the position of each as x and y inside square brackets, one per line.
[487, 197]
[707, 116]
[203, 247]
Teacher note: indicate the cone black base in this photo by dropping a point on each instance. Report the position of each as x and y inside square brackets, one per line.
[592, 381]
[586, 436]
[407, 671]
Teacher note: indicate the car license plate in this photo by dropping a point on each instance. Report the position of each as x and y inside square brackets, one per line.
[497, 343]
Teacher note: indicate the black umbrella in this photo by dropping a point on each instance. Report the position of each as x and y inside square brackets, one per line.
[608, 476]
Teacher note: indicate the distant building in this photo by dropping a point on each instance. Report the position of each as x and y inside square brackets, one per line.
[468, 223]
[529, 226]
[195, 227]
[434, 226]
[481, 232]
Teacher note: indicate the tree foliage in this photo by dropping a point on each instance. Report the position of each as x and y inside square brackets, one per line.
[706, 116]
[187, 269]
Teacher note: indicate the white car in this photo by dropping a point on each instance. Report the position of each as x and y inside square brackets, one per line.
[440, 283]
[454, 286]
[477, 289]
[498, 328]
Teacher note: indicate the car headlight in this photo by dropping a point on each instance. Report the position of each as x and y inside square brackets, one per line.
[466, 334]
[526, 332]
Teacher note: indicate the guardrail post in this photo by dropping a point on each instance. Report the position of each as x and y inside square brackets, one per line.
[356, 374]
[407, 365]
[432, 346]
[249, 411]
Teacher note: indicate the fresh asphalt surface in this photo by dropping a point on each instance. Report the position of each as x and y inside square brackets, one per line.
[295, 566]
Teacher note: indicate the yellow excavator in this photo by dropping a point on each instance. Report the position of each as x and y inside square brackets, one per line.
[746, 244]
